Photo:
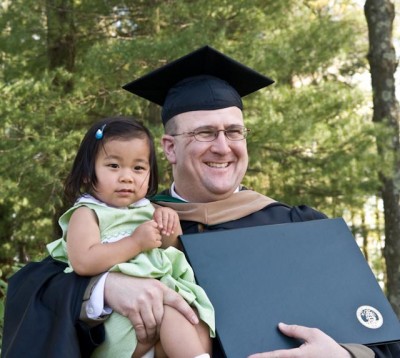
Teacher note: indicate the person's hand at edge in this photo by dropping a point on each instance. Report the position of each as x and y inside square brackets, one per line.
[316, 344]
[142, 300]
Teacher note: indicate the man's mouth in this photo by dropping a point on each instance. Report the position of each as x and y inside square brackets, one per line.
[217, 165]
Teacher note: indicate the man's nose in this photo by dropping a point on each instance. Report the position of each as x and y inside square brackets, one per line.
[221, 143]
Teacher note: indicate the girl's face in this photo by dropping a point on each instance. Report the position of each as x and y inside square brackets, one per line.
[123, 170]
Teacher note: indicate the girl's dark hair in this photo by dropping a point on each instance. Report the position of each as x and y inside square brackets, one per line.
[82, 177]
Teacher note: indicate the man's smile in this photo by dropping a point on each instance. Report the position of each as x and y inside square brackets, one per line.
[217, 165]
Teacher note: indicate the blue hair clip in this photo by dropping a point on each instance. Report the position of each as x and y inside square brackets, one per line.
[99, 132]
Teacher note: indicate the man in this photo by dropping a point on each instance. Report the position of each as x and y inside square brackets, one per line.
[205, 143]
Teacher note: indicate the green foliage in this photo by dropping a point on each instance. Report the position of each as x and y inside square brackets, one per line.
[327, 147]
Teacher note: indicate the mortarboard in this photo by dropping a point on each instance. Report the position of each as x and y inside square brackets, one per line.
[204, 79]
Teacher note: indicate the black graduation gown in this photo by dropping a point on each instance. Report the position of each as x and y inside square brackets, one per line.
[42, 314]
[278, 213]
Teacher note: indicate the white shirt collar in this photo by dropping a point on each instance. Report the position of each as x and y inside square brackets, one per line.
[87, 198]
[174, 194]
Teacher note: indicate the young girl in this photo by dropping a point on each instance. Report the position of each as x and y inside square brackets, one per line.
[113, 227]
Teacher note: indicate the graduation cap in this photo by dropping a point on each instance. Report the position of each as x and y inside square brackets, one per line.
[204, 79]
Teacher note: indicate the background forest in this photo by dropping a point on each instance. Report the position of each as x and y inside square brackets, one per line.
[314, 139]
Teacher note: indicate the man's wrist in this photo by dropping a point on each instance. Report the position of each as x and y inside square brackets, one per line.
[358, 351]
[93, 308]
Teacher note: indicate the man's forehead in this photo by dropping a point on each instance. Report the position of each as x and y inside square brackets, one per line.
[215, 118]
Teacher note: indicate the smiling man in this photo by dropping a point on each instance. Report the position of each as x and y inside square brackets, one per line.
[205, 142]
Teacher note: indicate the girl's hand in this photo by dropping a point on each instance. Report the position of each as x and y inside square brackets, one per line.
[167, 220]
[147, 236]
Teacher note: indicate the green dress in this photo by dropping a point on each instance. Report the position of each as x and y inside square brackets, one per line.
[168, 265]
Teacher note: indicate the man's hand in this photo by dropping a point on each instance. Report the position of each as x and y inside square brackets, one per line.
[316, 344]
[142, 300]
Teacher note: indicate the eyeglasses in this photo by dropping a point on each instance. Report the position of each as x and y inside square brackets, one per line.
[211, 134]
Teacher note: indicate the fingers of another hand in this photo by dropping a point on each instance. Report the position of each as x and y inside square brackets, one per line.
[158, 217]
[138, 299]
[171, 223]
[175, 227]
[167, 220]
[168, 223]
[138, 325]
[147, 318]
[304, 333]
[175, 300]
[316, 344]
[145, 326]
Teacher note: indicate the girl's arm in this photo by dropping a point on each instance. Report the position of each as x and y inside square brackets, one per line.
[89, 257]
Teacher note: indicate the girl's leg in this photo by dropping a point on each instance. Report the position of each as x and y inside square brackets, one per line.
[142, 349]
[181, 339]
[203, 331]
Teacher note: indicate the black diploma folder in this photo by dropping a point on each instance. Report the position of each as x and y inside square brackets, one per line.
[309, 273]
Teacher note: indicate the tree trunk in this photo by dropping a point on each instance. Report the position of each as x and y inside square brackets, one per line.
[382, 59]
[61, 38]
[61, 53]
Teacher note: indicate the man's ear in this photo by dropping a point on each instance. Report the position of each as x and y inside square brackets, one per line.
[168, 145]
